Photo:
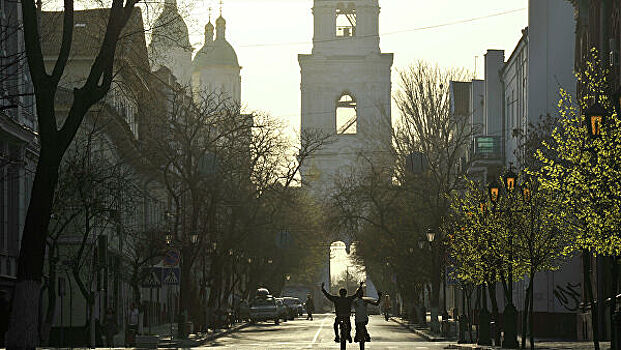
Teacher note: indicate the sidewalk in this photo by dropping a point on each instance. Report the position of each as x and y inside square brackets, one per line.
[555, 345]
[193, 340]
[424, 333]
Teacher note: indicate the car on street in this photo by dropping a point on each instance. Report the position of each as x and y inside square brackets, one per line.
[283, 309]
[264, 308]
[297, 309]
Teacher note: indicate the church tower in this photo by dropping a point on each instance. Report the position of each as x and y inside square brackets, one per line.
[170, 45]
[346, 89]
[215, 67]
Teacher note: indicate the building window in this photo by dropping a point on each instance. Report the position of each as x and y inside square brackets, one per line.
[345, 20]
[346, 115]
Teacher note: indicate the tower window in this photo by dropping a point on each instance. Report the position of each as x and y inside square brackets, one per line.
[345, 20]
[346, 115]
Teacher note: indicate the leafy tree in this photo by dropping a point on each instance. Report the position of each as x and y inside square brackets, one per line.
[585, 172]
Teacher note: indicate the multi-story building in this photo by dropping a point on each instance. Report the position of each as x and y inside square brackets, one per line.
[18, 145]
[513, 94]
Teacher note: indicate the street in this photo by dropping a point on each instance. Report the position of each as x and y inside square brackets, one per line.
[318, 334]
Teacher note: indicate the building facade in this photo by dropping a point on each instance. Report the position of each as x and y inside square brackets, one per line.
[515, 92]
[345, 89]
[18, 147]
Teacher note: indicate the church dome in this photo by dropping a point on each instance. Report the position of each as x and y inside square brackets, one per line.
[170, 29]
[218, 52]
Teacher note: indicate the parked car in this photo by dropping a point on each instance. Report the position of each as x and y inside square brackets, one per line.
[264, 308]
[283, 309]
[297, 309]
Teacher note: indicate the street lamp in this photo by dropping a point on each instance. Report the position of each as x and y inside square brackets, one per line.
[194, 238]
[510, 179]
[494, 191]
[430, 235]
[595, 117]
[526, 194]
[168, 239]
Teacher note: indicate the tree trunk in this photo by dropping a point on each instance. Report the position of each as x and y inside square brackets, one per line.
[586, 263]
[23, 332]
[525, 315]
[492, 296]
[532, 310]
[50, 313]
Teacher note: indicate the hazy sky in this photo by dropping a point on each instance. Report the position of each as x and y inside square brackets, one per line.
[269, 34]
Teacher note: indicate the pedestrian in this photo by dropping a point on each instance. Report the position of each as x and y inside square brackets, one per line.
[310, 307]
[132, 328]
[110, 327]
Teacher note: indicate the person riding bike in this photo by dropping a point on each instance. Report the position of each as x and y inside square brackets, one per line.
[387, 306]
[362, 316]
[342, 307]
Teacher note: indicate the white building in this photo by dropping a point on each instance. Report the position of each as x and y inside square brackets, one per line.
[19, 148]
[346, 89]
[215, 66]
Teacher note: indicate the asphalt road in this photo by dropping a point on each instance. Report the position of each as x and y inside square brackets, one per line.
[318, 334]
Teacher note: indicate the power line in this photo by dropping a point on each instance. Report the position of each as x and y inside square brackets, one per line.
[447, 24]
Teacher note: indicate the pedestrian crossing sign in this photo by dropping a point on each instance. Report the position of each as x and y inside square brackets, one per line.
[153, 280]
[170, 276]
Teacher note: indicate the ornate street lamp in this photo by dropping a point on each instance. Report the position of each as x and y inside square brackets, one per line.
[526, 194]
[194, 238]
[510, 180]
[494, 191]
[430, 235]
[595, 116]
[168, 239]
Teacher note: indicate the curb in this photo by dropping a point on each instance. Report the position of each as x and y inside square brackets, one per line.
[202, 341]
[420, 333]
[226, 332]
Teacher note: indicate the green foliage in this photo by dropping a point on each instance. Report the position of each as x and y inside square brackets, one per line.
[584, 172]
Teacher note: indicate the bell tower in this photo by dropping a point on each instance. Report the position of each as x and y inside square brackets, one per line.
[345, 89]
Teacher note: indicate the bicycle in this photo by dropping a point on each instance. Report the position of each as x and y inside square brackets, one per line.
[344, 331]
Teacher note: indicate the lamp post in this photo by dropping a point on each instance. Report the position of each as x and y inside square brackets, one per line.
[596, 118]
[431, 235]
[509, 314]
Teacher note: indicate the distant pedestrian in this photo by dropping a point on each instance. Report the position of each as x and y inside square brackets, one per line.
[310, 307]
[132, 324]
[110, 327]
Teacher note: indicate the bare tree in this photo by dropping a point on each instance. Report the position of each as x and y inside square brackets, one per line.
[428, 127]
[56, 136]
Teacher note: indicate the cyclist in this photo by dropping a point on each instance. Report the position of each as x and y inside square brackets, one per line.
[342, 306]
[387, 306]
[362, 316]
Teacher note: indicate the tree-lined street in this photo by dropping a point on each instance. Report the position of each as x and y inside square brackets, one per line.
[144, 202]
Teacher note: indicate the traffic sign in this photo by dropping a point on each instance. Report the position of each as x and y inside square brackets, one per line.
[171, 258]
[171, 276]
[153, 280]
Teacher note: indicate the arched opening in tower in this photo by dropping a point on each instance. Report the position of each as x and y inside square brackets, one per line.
[345, 272]
[346, 115]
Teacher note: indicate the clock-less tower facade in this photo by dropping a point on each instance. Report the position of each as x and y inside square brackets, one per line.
[345, 90]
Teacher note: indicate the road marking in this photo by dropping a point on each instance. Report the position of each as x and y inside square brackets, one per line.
[319, 330]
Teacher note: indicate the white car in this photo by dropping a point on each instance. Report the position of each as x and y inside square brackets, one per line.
[264, 308]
